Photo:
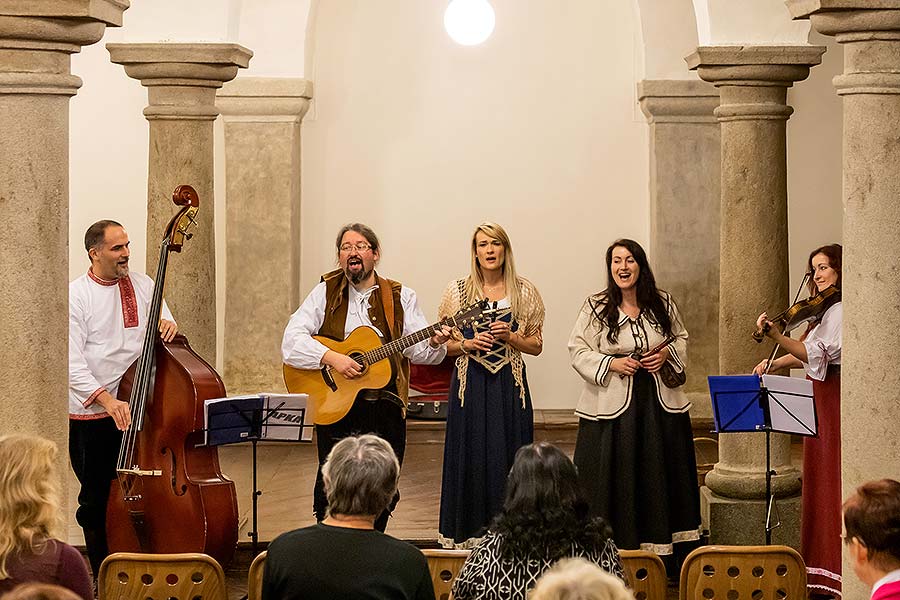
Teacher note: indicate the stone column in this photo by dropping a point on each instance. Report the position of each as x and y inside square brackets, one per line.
[870, 381]
[262, 171]
[182, 80]
[753, 276]
[684, 216]
[37, 40]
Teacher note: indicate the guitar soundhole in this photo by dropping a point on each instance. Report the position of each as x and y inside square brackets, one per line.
[358, 357]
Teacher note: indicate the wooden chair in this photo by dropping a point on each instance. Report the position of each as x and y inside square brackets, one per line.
[131, 576]
[255, 577]
[646, 574]
[743, 572]
[444, 566]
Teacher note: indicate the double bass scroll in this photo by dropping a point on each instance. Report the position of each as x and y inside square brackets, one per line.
[170, 495]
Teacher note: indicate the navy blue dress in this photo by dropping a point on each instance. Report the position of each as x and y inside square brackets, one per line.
[485, 428]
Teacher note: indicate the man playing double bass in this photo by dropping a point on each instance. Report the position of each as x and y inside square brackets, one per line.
[347, 298]
[108, 311]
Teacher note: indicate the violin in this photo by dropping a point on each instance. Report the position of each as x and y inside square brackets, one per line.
[801, 312]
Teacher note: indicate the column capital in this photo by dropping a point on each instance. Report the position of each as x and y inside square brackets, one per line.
[36, 39]
[869, 31]
[766, 66]
[265, 99]
[753, 80]
[181, 78]
[677, 100]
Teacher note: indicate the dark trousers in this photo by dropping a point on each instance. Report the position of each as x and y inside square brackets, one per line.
[381, 417]
[94, 451]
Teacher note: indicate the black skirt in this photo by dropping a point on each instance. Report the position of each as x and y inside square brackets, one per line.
[639, 472]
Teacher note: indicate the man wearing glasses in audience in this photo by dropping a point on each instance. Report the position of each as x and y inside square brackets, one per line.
[349, 297]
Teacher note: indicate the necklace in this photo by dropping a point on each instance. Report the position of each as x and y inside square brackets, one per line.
[494, 287]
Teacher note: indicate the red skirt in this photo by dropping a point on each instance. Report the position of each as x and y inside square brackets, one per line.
[820, 524]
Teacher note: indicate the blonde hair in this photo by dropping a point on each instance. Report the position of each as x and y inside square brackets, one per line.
[579, 579]
[29, 510]
[475, 281]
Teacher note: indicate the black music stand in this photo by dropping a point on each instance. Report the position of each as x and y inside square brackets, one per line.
[256, 417]
[748, 403]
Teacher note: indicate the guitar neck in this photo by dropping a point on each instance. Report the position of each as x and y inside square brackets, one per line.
[401, 344]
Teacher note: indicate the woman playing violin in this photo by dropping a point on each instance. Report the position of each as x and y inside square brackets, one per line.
[818, 352]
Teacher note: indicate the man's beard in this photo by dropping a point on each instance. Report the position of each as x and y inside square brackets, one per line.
[121, 270]
[358, 276]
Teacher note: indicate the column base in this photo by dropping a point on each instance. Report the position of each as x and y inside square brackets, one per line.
[743, 522]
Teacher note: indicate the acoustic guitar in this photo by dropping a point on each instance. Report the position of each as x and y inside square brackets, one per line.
[332, 397]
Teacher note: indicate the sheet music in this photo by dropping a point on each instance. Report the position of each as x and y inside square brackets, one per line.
[791, 404]
[229, 420]
[286, 419]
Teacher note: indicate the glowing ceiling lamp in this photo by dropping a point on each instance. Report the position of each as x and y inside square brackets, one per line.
[469, 22]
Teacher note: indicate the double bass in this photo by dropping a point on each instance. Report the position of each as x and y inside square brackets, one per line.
[170, 494]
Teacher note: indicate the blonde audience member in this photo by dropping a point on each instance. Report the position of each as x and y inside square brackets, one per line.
[40, 591]
[28, 517]
[579, 579]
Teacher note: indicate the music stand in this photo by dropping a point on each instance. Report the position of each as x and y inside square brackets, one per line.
[748, 403]
[256, 417]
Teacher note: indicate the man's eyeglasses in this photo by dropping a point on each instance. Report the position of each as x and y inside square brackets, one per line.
[360, 247]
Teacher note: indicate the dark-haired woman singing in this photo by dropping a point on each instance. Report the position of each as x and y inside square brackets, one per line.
[635, 450]
[544, 518]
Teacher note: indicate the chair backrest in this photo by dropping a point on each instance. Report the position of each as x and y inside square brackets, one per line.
[444, 566]
[743, 572]
[132, 576]
[255, 577]
[646, 574]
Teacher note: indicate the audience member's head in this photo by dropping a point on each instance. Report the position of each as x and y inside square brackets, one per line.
[545, 510]
[579, 579]
[28, 497]
[872, 525]
[360, 476]
[40, 591]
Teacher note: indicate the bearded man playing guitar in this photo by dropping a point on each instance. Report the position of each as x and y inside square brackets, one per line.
[348, 298]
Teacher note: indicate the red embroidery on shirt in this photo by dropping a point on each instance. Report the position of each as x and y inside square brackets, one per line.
[100, 280]
[129, 302]
[126, 292]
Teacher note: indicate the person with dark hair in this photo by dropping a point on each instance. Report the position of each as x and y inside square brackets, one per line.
[344, 556]
[346, 298]
[818, 352]
[544, 519]
[635, 449]
[872, 526]
[490, 414]
[108, 310]
[29, 517]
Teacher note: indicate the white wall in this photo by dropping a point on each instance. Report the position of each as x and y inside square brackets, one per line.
[815, 207]
[669, 32]
[423, 139]
[758, 22]
[537, 129]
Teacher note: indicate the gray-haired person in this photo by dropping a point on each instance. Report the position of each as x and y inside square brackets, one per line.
[344, 556]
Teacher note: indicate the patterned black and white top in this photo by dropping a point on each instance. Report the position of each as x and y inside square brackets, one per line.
[488, 576]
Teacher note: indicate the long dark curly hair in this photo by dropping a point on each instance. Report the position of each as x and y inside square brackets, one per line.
[606, 304]
[545, 511]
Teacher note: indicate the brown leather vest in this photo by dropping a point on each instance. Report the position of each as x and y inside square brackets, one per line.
[336, 301]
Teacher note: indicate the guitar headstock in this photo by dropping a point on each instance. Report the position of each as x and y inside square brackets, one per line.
[176, 232]
[471, 314]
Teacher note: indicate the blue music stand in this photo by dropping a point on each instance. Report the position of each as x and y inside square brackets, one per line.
[748, 403]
